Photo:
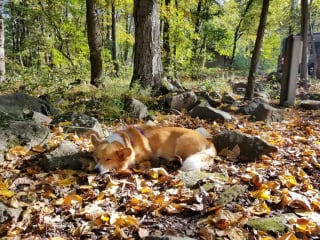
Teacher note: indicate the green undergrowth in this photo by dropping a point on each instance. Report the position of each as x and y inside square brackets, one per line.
[107, 103]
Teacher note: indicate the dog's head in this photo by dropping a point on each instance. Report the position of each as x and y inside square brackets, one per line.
[110, 156]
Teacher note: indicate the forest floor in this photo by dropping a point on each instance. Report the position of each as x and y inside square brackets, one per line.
[69, 204]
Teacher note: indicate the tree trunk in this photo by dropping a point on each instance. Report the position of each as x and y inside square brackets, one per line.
[95, 43]
[196, 55]
[256, 51]
[2, 56]
[166, 41]
[147, 56]
[114, 40]
[314, 53]
[304, 38]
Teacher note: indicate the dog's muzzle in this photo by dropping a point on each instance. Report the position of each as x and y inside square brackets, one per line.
[100, 169]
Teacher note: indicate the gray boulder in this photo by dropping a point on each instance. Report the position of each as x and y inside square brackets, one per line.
[186, 100]
[251, 147]
[210, 113]
[251, 106]
[24, 133]
[310, 104]
[265, 112]
[18, 106]
[79, 123]
[66, 156]
[135, 108]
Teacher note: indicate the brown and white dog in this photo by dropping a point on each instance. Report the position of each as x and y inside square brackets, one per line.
[141, 146]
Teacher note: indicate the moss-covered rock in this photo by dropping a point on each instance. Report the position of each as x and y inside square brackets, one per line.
[272, 225]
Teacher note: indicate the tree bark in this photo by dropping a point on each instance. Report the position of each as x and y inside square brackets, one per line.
[95, 43]
[166, 41]
[314, 53]
[304, 38]
[114, 40]
[2, 55]
[256, 51]
[147, 56]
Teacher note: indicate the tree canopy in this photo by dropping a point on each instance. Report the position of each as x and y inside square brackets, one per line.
[48, 38]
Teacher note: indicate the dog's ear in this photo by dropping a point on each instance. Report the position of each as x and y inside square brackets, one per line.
[95, 140]
[124, 153]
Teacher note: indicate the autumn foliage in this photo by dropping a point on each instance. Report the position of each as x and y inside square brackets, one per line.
[69, 204]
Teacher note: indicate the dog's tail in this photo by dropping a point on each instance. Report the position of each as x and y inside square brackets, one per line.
[202, 160]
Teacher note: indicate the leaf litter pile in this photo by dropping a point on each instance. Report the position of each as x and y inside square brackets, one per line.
[69, 204]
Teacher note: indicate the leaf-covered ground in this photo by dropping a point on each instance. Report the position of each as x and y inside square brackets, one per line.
[68, 204]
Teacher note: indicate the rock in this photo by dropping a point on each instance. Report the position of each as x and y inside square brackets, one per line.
[274, 77]
[273, 225]
[250, 107]
[263, 96]
[78, 122]
[172, 84]
[228, 98]
[212, 102]
[191, 178]
[204, 132]
[28, 133]
[210, 113]
[41, 118]
[230, 194]
[66, 156]
[186, 100]
[239, 88]
[17, 105]
[310, 104]
[265, 112]
[23, 133]
[251, 147]
[134, 108]
[7, 213]
[314, 96]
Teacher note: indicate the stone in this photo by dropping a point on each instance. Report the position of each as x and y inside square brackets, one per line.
[212, 102]
[251, 147]
[191, 178]
[78, 122]
[66, 156]
[135, 108]
[272, 225]
[23, 133]
[183, 101]
[228, 98]
[17, 106]
[28, 133]
[231, 194]
[250, 107]
[209, 113]
[310, 104]
[265, 112]
[41, 118]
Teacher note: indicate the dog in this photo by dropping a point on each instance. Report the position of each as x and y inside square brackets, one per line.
[144, 145]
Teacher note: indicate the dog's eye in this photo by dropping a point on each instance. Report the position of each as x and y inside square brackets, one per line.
[108, 159]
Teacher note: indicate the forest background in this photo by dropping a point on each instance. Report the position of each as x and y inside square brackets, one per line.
[46, 44]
